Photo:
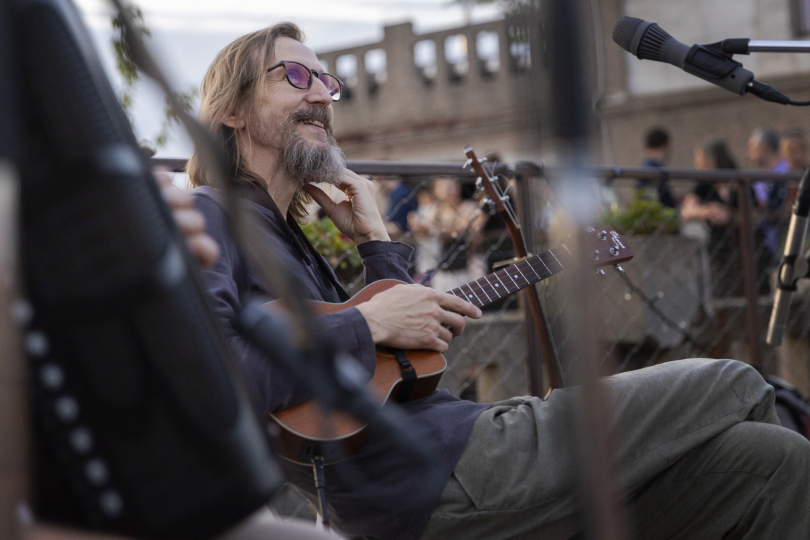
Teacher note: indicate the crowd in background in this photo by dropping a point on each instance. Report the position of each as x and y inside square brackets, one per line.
[708, 212]
[442, 220]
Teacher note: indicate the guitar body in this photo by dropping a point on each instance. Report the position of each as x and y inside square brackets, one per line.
[305, 429]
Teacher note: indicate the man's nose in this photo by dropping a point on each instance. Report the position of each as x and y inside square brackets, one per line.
[318, 93]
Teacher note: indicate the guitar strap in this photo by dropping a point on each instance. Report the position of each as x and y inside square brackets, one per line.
[408, 376]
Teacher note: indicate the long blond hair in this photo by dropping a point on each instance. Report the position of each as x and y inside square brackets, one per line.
[230, 87]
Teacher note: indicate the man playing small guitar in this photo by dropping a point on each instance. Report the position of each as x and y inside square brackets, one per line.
[700, 448]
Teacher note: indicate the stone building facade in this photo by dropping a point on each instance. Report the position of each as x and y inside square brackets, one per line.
[424, 97]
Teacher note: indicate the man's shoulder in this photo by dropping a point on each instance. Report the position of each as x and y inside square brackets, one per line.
[210, 203]
[207, 193]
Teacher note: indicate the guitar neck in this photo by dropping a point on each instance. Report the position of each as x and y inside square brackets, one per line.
[511, 279]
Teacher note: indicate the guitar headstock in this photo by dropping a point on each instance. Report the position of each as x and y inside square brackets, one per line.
[487, 182]
[605, 246]
[499, 199]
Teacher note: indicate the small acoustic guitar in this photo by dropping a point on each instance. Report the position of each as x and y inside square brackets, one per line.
[305, 430]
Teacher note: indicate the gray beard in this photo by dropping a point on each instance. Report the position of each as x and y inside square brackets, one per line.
[312, 164]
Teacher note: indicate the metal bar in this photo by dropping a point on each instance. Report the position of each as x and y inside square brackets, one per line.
[749, 271]
[14, 449]
[540, 340]
[778, 46]
[707, 175]
[569, 111]
[409, 169]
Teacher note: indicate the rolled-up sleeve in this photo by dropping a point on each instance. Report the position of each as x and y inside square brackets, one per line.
[385, 260]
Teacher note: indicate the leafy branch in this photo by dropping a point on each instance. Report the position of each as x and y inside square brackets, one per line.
[130, 73]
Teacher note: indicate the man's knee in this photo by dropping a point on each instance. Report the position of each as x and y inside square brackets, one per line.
[747, 384]
[770, 450]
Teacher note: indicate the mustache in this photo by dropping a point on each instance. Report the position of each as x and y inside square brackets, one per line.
[315, 113]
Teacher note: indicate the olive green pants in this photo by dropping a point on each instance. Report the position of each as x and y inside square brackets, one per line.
[700, 451]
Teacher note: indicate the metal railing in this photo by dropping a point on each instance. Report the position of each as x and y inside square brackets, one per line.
[685, 294]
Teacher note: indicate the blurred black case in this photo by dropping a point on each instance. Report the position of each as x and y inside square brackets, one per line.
[141, 424]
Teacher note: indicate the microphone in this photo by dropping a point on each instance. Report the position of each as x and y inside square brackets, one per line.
[712, 63]
[793, 265]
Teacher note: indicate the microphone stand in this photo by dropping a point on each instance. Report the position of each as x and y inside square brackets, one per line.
[793, 266]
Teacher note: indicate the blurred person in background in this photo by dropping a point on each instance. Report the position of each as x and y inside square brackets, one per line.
[401, 203]
[715, 204]
[763, 153]
[444, 230]
[793, 149]
[657, 152]
[718, 205]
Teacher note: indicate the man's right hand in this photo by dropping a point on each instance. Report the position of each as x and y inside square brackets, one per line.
[416, 317]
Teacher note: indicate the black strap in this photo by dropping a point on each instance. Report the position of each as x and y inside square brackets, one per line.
[408, 376]
[789, 287]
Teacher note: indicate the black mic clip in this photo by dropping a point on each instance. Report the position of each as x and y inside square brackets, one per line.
[710, 61]
[713, 63]
[801, 269]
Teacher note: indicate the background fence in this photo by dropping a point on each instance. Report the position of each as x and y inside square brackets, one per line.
[684, 294]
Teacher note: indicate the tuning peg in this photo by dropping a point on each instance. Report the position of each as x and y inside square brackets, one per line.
[601, 274]
[479, 184]
[614, 251]
[601, 235]
[467, 164]
[589, 229]
[483, 160]
[620, 269]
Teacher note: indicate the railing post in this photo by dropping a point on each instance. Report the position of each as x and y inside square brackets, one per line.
[749, 271]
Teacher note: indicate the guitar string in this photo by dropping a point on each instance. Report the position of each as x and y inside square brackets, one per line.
[521, 267]
[527, 264]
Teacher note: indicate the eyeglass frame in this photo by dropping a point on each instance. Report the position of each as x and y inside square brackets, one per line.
[313, 74]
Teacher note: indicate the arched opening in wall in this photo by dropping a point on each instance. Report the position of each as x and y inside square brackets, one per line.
[376, 69]
[520, 52]
[487, 48]
[424, 58]
[346, 71]
[455, 54]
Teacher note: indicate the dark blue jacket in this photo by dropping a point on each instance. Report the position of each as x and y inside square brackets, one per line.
[384, 475]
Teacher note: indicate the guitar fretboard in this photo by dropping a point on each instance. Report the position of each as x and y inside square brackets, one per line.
[511, 279]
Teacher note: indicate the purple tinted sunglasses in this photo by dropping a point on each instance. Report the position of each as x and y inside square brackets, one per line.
[300, 76]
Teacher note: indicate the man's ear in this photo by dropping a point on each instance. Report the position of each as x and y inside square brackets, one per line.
[234, 122]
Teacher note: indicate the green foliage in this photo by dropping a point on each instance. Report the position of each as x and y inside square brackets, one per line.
[336, 247]
[643, 216]
[130, 73]
[169, 117]
[123, 62]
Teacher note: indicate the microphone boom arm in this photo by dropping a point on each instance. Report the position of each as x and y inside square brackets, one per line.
[748, 46]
